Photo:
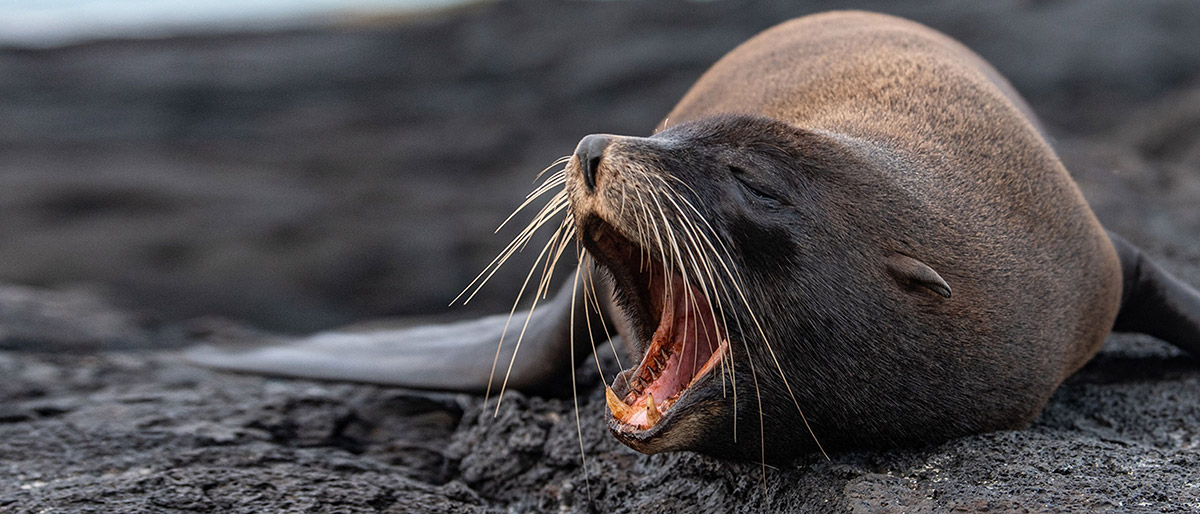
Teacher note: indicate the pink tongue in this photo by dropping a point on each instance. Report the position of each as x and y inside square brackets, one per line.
[691, 334]
[693, 338]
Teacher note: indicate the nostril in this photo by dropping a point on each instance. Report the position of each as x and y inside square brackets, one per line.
[589, 152]
[589, 172]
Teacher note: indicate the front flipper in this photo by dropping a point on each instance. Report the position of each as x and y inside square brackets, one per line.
[451, 357]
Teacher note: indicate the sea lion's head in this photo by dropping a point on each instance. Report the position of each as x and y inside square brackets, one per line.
[720, 237]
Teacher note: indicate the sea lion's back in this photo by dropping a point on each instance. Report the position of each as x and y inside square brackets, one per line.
[810, 71]
[957, 141]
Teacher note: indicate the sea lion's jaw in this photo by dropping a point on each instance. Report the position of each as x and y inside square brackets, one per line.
[666, 402]
[680, 338]
[681, 354]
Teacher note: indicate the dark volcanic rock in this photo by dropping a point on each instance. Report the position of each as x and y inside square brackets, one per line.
[144, 432]
[312, 177]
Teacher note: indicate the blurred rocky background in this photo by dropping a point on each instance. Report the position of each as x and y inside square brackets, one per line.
[158, 188]
[305, 177]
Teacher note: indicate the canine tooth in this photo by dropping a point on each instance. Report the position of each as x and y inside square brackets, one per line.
[619, 408]
[652, 413]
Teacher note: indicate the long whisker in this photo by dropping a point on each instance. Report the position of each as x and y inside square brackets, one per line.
[495, 359]
[574, 386]
[762, 429]
[525, 326]
[560, 160]
[667, 263]
[736, 282]
[552, 253]
[586, 270]
[732, 276]
[703, 265]
[692, 231]
[551, 264]
[557, 204]
[678, 255]
[591, 283]
[557, 179]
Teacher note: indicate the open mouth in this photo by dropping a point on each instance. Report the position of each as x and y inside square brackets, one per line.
[672, 318]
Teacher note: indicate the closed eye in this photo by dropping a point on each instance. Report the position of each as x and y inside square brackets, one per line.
[757, 191]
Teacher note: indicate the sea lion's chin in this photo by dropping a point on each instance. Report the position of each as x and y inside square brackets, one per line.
[678, 423]
[655, 405]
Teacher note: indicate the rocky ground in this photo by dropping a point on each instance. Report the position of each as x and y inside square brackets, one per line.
[154, 194]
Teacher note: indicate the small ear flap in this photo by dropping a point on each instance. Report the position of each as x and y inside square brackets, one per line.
[912, 271]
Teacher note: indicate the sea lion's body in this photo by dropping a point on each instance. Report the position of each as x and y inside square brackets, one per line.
[859, 168]
[960, 178]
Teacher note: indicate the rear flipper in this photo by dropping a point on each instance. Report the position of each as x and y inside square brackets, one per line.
[452, 357]
[1154, 302]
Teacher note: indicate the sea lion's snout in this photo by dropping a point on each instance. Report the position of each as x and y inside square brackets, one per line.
[625, 195]
[588, 155]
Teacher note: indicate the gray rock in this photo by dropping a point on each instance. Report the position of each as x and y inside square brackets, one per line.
[55, 321]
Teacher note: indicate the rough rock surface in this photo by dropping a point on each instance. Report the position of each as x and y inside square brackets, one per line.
[141, 431]
[300, 179]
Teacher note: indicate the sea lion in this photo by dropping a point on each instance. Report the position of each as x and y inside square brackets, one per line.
[851, 232]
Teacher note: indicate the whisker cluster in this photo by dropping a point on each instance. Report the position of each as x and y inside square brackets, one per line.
[666, 227]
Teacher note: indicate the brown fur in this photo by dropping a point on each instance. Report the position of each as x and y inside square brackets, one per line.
[961, 124]
[921, 150]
